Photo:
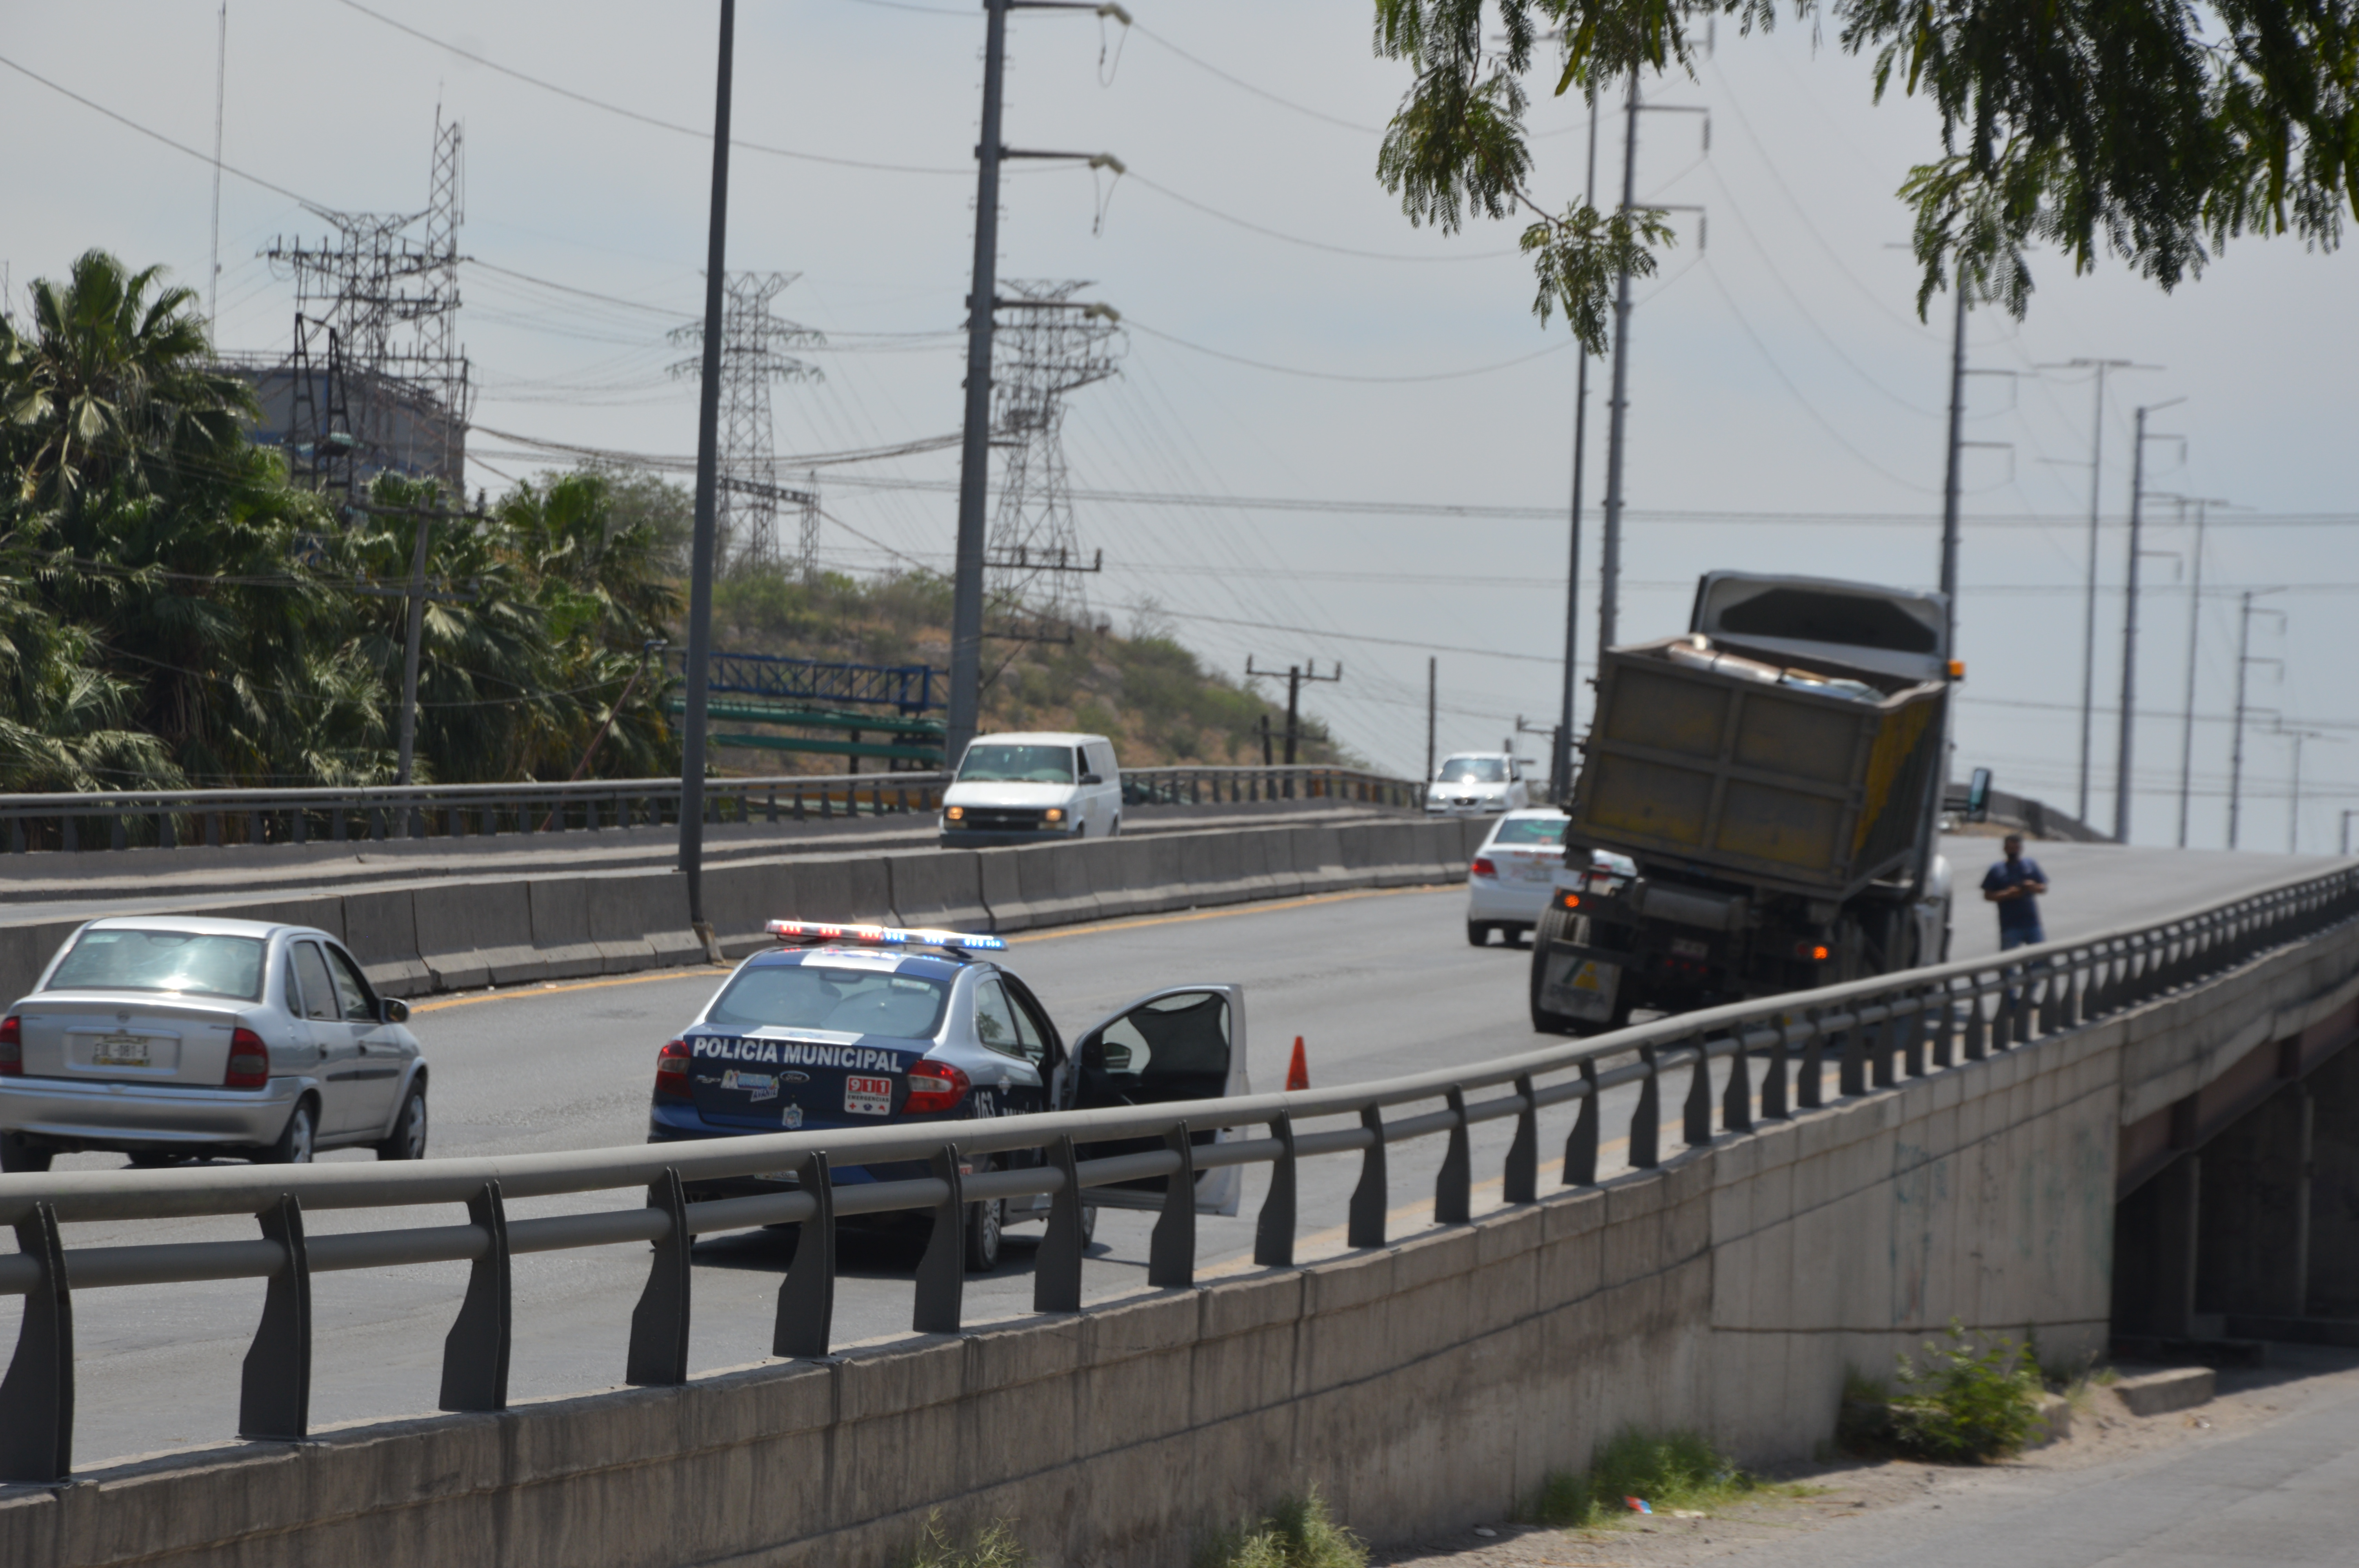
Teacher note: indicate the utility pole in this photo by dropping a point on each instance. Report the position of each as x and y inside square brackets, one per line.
[1432, 666]
[1609, 553]
[1560, 750]
[2129, 628]
[708, 443]
[2194, 637]
[1950, 479]
[2089, 608]
[1297, 678]
[2293, 802]
[2347, 816]
[2244, 661]
[974, 446]
[409, 652]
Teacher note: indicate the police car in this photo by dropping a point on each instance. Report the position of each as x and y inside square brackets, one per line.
[847, 1026]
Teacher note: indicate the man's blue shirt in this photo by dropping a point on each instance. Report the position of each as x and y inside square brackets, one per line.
[2015, 914]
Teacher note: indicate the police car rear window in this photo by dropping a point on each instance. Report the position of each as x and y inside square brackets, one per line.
[813, 996]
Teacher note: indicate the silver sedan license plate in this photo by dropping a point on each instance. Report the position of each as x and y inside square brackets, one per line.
[120, 1051]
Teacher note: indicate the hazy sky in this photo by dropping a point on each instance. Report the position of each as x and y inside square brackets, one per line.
[1786, 404]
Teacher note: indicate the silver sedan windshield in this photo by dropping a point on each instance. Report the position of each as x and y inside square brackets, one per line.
[119, 961]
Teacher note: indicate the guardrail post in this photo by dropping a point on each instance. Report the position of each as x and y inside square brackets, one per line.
[1773, 1078]
[1851, 1072]
[1646, 1122]
[476, 1351]
[1912, 1039]
[1977, 1039]
[1880, 1037]
[1453, 1196]
[658, 1353]
[941, 1269]
[1365, 1226]
[1811, 1078]
[1274, 1230]
[1581, 1143]
[807, 1295]
[275, 1392]
[37, 1399]
[1736, 1100]
[1520, 1182]
[1698, 1118]
[1056, 1267]
[1171, 1251]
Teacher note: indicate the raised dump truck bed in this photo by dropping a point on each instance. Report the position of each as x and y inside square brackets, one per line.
[1728, 767]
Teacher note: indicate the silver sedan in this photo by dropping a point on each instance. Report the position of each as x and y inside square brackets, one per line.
[169, 1037]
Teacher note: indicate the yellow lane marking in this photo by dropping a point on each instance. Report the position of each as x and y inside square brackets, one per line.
[559, 987]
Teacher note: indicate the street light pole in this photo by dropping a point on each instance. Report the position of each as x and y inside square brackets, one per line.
[1561, 747]
[700, 580]
[1609, 551]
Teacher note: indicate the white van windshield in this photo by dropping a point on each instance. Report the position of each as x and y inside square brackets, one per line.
[1474, 770]
[1017, 764]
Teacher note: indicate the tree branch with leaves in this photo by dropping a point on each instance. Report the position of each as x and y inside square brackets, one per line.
[2151, 131]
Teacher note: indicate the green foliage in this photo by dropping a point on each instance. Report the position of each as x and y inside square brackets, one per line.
[2151, 130]
[1965, 1403]
[1298, 1533]
[1673, 1470]
[172, 612]
[993, 1546]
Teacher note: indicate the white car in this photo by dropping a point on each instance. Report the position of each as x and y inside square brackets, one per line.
[1478, 784]
[1033, 788]
[1507, 884]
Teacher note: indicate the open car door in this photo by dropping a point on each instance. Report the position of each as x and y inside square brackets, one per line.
[1181, 1043]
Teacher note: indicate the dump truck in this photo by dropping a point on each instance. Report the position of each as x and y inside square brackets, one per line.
[1774, 776]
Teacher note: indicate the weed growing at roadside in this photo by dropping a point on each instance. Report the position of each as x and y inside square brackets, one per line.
[993, 1546]
[1675, 1470]
[1964, 1404]
[1298, 1533]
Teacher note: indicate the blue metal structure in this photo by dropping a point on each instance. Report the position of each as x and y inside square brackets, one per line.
[908, 688]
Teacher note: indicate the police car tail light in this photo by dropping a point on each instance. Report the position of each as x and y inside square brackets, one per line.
[249, 1061]
[11, 1046]
[935, 1087]
[1482, 867]
[671, 1071]
[882, 936]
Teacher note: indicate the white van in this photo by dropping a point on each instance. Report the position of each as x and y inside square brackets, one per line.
[1033, 789]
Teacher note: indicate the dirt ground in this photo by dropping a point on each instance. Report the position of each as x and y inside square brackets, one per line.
[1811, 1498]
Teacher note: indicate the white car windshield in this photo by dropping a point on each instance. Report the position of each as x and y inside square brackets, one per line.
[1016, 765]
[162, 961]
[813, 996]
[1474, 770]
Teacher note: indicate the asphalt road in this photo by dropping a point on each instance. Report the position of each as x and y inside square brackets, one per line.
[1378, 984]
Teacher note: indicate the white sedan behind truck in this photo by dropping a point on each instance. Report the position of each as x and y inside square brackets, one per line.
[1507, 884]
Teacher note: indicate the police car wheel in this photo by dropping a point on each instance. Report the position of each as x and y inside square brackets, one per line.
[985, 1222]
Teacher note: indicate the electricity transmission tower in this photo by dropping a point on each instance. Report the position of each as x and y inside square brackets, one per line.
[753, 355]
[379, 380]
[1055, 344]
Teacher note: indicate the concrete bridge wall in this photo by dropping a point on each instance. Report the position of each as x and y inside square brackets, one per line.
[1431, 1382]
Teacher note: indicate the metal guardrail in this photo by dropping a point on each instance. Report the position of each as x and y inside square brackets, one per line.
[126, 820]
[1239, 786]
[120, 819]
[1879, 1033]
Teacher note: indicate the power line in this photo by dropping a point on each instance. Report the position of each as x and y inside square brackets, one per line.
[1338, 376]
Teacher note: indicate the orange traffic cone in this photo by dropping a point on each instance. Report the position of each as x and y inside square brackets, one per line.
[1298, 1073]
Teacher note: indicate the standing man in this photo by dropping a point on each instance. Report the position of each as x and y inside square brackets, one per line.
[2015, 885]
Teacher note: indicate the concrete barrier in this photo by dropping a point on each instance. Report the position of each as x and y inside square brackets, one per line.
[1319, 860]
[857, 890]
[938, 888]
[740, 902]
[1212, 867]
[1132, 876]
[25, 951]
[560, 928]
[472, 935]
[1051, 886]
[381, 929]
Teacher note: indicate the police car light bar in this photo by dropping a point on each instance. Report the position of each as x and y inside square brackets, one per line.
[883, 936]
